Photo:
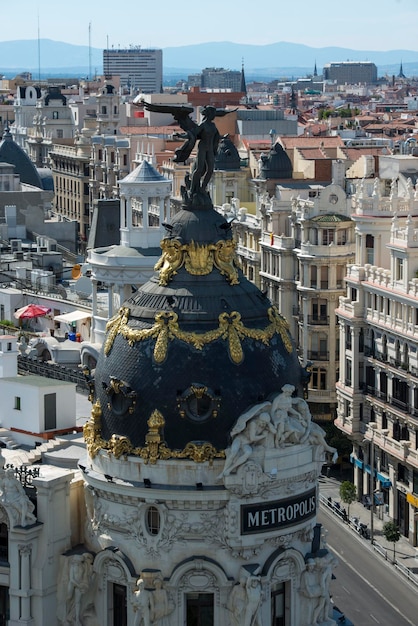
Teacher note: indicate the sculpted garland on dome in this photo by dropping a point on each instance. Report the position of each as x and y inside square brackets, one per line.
[166, 328]
[198, 259]
[155, 447]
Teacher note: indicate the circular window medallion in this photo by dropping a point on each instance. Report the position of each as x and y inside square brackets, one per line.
[198, 403]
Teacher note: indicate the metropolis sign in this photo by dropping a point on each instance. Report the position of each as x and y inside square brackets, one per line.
[258, 518]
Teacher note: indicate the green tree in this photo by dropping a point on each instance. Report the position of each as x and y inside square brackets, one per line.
[348, 493]
[391, 533]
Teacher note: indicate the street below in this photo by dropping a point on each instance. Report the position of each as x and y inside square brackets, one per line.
[367, 589]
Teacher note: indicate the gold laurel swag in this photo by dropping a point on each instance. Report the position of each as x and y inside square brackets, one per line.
[155, 447]
[230, 329]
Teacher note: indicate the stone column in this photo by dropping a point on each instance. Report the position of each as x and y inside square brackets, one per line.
[342, 352]
[355, 358]
[110, 300]
[25, 552]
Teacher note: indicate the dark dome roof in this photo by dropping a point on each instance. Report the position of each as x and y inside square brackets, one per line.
[276, 165]
[54, 93]
[47, 179]
[198, 343]
[12, 153]
[227, 157]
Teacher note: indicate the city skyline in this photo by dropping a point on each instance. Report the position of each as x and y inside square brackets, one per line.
[383, 25]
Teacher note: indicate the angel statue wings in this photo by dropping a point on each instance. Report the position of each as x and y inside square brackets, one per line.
[205, 133]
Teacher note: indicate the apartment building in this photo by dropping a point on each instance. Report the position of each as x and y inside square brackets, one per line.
[52, 122]
[306, 243]
[377, 392]
[70, 167]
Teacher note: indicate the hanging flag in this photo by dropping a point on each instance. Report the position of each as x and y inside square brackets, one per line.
[272, 239]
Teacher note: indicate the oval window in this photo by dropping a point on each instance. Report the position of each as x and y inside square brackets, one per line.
[153, 520]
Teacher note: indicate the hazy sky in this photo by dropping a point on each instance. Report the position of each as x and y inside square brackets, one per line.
[368, 25]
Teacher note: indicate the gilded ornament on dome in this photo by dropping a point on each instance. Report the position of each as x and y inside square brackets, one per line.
[119, 446]
[225, 260]
[198, 403]
[198, 259]
[171, 260]
[92, 430]
[155, 447]
[122, 398]
[231, 329]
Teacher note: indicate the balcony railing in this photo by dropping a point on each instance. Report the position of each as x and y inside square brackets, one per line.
[318, 355]
[404, 406]
[318, 320]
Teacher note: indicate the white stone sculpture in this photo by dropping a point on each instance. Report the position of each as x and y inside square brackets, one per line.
[142, 605]
[237, 602]
[252, 428]
[160, 604]
[285, 421]
[253, 602]
[312, 594]
[76, 590]
[14, 498]
[325, 566]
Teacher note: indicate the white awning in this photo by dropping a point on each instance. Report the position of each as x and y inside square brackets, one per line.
[74, 316]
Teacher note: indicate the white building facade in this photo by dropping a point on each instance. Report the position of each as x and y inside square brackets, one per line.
[378, 387]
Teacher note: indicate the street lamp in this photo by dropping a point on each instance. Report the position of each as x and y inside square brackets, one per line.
[372, 426]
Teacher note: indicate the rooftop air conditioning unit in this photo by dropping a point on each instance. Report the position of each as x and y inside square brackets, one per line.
[16, 245]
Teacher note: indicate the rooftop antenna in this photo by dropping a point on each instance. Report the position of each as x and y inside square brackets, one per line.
[39, 52]
[89, 50]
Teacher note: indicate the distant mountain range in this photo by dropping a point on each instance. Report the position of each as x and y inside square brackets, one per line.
[263, 62]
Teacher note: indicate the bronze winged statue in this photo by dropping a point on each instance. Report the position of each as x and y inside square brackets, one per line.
[205, 133]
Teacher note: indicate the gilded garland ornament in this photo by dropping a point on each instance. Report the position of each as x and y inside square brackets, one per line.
[155, 447]
[166, 328]
[198, 259]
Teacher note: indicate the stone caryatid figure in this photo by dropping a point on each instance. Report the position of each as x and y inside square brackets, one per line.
[205, 134]
[142, 604]
[325, 566]
[237, 601]
[254, 596]
[75, 590]
[160, 603]
[312, 594]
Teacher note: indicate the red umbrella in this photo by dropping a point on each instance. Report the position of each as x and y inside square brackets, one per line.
[31, 310]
